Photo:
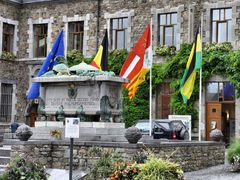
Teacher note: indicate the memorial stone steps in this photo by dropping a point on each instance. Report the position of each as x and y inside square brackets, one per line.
[4, 158]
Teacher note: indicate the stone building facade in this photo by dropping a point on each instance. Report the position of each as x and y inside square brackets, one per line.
[98, 15]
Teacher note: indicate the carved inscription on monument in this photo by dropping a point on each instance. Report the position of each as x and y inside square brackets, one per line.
[87, 97]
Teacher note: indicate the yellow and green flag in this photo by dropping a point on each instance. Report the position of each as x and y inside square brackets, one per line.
[194, 63]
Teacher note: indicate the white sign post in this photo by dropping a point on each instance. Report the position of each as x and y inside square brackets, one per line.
[71, 131]
[72, 127]
[186, 119]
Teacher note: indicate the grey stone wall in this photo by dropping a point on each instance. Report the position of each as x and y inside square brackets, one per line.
[9, 11]
[190, 155]
[58, 9]
[16, 73]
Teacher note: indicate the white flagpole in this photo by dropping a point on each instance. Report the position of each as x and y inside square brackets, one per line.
[200, 90]
[150, 88]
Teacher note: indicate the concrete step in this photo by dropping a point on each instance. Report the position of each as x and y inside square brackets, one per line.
[5, 127]
[2, 169]
[5, 152]
[4, 160]
[9, 136]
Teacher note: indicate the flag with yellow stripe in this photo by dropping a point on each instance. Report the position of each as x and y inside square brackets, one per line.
[138, 63]
[101, 59]
[194, 63]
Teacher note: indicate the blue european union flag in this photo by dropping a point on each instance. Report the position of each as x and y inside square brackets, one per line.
[57, 50]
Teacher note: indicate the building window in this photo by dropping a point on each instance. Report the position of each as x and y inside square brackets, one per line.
[167, 29]
[6, 102]
[119, 33]
[7, 39]
[221, 25]
[40, 40]
[75, 36]
[220, 91]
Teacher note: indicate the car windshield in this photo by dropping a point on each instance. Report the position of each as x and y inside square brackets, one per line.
[144, 126]
[177, 125]
[165, 125]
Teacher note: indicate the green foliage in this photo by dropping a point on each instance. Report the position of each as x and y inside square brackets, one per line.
[233, 155]
[138, 107]
[155, 168]
[20, 168]
[233, 150]
[75, 57]
[165, 50]
[218, 59]
[124, 171]
[7, 55]
[109, 164]
[116, 59]
[173, 70]
[104, 165]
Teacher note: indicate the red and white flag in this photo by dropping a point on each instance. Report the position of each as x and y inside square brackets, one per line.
[138, 63]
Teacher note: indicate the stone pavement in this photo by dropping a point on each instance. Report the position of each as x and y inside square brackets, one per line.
[221, 172]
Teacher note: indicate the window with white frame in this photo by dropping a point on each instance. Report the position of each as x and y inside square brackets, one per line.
[119, 33]
[167, 29]
[7, 37]
[40, 40]
[6, 102]
[75, 35]
[221, 25]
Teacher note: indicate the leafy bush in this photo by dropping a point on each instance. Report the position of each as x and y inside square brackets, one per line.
[20, 168]
[155, 168]
[165, 50]
[233, 155]
[104, 164]
[7, 55]
[125, 170]
[75, 57]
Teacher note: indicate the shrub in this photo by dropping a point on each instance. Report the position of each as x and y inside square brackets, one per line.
[233, 155]
[234, 149]
[7, 55]
[165, 50]
[155, 168]
[104, 165]
[124, 170]
[20, 168]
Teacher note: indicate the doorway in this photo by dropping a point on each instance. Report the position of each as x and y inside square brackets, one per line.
[220, 109]
[221, 116]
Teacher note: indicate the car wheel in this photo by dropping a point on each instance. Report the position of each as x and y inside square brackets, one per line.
[186, 136]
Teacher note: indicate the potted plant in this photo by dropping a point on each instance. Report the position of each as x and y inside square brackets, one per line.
[56, 134]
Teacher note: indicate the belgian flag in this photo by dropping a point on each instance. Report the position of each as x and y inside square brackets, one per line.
[194, 63]
[101, 59]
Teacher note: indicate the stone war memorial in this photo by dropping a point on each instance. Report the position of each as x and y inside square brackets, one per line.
[80, 91]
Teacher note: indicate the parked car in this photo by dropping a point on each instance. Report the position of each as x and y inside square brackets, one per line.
[164, 128]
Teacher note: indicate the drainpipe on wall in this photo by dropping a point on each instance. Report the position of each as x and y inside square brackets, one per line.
[97, 28]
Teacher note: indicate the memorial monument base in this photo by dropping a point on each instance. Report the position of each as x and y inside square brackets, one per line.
[89, 131]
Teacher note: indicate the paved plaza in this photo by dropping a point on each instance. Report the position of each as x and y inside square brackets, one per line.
[221, 172]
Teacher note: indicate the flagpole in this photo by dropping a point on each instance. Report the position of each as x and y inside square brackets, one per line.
[200, 90]
[150, 88]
